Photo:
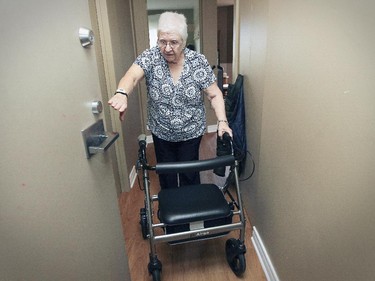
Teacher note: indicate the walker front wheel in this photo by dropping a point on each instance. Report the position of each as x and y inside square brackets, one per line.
[156, 275]
[235, 252]
[154, 268]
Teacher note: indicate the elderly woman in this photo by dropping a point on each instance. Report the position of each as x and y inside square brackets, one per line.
[175, 77]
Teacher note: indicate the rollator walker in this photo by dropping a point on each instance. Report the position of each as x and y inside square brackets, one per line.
[194, 212]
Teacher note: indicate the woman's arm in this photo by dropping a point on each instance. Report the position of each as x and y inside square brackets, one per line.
[126, 85]
[217, 101]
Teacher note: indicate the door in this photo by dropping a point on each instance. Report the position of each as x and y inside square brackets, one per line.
[59, 214]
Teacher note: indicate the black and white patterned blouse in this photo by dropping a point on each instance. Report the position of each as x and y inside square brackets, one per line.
[176, 111]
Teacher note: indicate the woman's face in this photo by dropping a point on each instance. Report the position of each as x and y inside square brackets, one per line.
[171, 46]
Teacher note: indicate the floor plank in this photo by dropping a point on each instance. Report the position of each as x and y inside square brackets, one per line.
[201, 260]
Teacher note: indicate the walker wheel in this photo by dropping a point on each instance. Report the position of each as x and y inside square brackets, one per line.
[143, 223]
[156, 275]
[154, 268]
[235, 252]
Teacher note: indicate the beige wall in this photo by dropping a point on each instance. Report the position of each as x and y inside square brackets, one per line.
[309, 71]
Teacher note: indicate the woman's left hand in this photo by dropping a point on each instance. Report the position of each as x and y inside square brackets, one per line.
[222, 128]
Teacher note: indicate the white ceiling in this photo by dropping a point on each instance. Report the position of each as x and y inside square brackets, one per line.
[180, 4]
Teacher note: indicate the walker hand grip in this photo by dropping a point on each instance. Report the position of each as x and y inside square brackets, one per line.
[226, 137]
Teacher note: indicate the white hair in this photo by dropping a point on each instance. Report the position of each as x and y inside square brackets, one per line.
[173, 22]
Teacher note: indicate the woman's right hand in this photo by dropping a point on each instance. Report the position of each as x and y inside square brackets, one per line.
[120, 103]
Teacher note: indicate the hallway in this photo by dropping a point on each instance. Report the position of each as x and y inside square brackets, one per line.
[203, 260]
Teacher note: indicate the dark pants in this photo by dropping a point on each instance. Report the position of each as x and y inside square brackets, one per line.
[167, 151]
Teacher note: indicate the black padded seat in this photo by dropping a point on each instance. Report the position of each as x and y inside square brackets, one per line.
[192, 203]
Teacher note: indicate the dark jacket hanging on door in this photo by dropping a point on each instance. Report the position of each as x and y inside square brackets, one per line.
[235, 110]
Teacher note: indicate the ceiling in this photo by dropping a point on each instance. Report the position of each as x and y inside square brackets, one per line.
[180, 4]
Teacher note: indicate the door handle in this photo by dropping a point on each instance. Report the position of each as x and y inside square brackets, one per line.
[96, 139]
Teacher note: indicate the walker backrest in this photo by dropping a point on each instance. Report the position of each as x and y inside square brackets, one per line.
[194, 166]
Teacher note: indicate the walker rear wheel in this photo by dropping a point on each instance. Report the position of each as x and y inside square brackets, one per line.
[156, 275]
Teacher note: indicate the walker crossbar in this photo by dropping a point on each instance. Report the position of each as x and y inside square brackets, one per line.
[200, 233]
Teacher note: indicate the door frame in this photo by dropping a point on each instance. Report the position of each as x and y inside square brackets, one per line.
[99, 20]
[110, 67]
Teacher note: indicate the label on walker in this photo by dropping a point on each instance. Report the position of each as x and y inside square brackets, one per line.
[199, 234]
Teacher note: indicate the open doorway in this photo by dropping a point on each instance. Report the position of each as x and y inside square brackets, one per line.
[191, 10]
[225, 21]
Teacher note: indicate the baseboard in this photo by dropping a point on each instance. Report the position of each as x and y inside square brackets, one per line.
[132, 177]
[149, 139]
[211, 128]
[263, 256]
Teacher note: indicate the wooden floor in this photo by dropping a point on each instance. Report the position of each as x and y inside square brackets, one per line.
[203, 260]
